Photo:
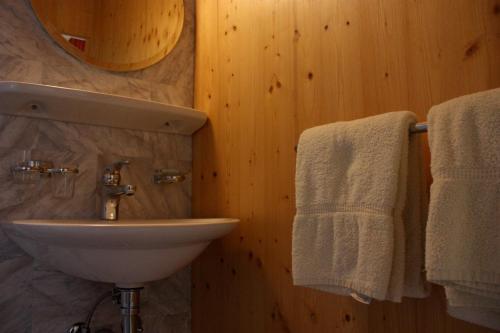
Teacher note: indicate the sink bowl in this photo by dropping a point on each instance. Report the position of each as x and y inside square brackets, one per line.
[126, 252]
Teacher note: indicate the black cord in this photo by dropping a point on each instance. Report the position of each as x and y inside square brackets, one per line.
[96, 304]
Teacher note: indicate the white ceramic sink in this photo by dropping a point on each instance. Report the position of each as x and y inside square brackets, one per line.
[125, 252]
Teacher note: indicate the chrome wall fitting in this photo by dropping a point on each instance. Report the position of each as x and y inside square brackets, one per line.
[41, 167]
[168, 176]
[33, 166]
[112, 191]
[62, 171]
[31, 171]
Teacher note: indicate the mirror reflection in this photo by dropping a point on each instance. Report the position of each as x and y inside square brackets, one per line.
[116, 35]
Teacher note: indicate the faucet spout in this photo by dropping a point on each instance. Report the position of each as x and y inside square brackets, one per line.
[112, 191]
[120, 190]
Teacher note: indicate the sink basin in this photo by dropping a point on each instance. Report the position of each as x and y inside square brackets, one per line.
[126, 252]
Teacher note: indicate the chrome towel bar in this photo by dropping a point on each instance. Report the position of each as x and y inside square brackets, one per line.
[418, 128]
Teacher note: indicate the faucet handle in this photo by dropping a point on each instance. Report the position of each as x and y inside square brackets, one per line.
[112, 173]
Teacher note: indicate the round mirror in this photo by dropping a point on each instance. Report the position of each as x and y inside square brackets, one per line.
[117, 35]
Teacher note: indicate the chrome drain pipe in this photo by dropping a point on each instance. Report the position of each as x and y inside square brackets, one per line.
[130, 299]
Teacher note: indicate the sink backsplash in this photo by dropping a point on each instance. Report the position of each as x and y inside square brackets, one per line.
[91, 149]
[33, 295]
[34, 298]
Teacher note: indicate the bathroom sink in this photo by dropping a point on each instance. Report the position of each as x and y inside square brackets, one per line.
[125, 252]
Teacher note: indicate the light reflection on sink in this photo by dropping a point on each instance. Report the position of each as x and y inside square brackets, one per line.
[125, 252]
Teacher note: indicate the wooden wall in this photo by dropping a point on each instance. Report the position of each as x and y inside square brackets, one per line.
[268, 69]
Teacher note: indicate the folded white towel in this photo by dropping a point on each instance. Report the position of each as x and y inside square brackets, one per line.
[348, 233]
[463, 230]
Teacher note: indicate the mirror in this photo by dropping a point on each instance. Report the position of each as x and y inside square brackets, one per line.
[116, 35]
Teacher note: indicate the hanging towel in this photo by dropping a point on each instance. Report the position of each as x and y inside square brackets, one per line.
[415, 218]
[480, 310]
[463, 230]
[348, 232]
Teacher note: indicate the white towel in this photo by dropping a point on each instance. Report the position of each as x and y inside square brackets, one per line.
[348, 233]
[415, 218]
[463, 230]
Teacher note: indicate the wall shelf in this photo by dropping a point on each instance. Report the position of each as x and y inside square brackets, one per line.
[91, 108]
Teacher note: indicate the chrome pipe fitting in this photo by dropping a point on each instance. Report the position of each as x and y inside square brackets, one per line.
[130, 309]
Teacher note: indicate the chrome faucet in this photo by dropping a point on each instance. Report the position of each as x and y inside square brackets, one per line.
[112, 191]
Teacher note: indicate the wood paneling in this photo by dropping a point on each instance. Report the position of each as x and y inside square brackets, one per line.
[267, 70]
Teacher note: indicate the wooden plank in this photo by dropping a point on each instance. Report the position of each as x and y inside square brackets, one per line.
[267, 70]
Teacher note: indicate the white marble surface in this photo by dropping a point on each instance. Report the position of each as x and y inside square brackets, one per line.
[33, 297]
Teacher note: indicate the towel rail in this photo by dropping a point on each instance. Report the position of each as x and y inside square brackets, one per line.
[418, 128]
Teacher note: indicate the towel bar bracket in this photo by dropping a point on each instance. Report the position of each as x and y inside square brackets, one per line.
[418, 128]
